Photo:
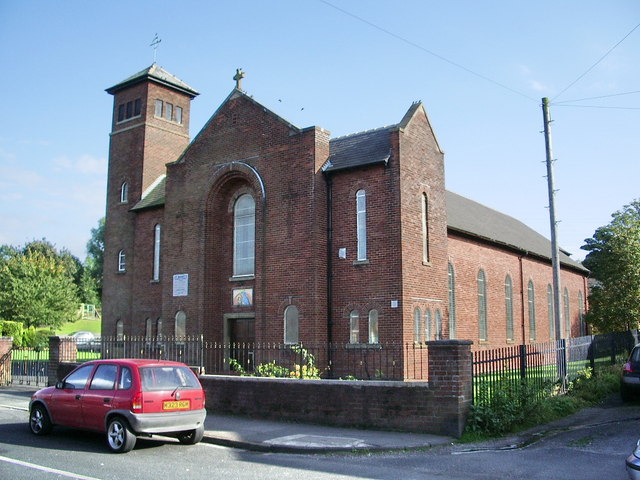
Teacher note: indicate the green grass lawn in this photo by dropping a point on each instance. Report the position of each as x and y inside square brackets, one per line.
[92, 326]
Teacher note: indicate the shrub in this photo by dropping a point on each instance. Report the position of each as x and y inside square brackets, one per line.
[507, 405]
[12, 329]
[236, 367]
[515, 407]
[272, 369]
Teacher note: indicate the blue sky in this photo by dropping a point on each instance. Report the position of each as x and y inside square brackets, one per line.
[481, 69]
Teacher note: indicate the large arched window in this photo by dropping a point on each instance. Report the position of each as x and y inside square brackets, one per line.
[124, 192]
[361, 224]
[452, 302]
[156, 253]
[551, 314]
[425, 228]
[148, 329]
[417, 320]
[122, 261]
[482, 306]
[427, 325]
[439, 333]
[373, 326]
[119, 330]
[244, 243]
[567, 312]
[159, 328]
[583, 325]
[354, 327]
[531, 297]
[291, 325]
[181, 324]
[508, 304]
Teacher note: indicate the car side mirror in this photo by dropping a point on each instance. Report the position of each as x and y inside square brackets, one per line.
[60, 385]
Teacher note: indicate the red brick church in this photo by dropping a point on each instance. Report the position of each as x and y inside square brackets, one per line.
[259, 230]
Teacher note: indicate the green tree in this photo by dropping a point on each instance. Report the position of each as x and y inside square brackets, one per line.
[95, 258]
[37, 288]
[614, 261]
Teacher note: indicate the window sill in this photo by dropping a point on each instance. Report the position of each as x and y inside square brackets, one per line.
[241, 278]
[154, 281]
[167, 120]
[373, 346]
[120, 122]
[361, 262]
[427, 263]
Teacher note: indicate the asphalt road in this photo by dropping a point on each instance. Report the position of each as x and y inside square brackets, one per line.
[583, 452]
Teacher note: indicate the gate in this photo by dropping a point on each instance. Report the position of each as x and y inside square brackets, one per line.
[29, 366]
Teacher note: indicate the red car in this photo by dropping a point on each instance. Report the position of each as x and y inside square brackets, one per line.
[124, 398]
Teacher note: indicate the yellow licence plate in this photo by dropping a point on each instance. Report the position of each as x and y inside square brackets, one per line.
[181, 405]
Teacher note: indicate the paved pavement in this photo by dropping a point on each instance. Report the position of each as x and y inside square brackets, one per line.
[288, 437]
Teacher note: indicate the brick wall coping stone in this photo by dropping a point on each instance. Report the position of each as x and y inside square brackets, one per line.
[308, 381]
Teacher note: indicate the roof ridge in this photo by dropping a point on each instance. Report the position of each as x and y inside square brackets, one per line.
[387, 127]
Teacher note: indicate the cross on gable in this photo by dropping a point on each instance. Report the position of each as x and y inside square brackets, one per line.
[238, 78]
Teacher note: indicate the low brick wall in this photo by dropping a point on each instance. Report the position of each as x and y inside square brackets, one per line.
[405, 406]
[437, 407]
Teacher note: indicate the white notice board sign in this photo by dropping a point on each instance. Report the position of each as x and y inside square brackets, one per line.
[181, 285]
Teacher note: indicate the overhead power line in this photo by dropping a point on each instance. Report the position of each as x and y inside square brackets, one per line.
[595, 64]
[596, 98]
[598, 106]
[426, 50]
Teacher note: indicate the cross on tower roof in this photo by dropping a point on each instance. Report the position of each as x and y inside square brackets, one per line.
[238, 78]
[154, 45]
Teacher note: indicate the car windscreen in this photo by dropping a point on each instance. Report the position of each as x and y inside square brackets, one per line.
[167, 378]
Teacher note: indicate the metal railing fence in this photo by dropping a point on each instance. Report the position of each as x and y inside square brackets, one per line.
[353, 361]
[536, 369]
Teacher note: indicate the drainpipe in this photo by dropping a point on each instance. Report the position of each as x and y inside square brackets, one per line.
[329, 180]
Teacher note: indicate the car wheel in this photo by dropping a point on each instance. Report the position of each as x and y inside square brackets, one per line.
[120, 438]
[191, 437]
[39, 421]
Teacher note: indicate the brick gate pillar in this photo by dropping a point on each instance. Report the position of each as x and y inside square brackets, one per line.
[5, 360]
[450, 376]
[61, 350]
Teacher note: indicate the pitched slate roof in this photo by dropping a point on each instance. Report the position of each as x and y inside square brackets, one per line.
[153, 196]
[359, 149]
[471, 218]
[157, 74]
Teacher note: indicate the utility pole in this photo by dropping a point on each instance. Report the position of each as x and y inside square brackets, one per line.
[555, 250]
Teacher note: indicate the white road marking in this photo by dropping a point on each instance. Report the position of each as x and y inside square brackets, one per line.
[46, 469]
[13, 407]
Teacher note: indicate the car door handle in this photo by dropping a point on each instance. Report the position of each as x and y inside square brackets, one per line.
[77, 397]
[106, 400]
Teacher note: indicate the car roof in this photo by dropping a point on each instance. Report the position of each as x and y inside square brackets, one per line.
[138, 362]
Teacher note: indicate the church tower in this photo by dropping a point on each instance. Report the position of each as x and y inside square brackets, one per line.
[150, 128]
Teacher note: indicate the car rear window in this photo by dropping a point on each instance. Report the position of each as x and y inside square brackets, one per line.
[167, 378]
[635, 355]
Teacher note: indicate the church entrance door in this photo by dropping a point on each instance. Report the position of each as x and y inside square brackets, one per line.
[242, 336]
